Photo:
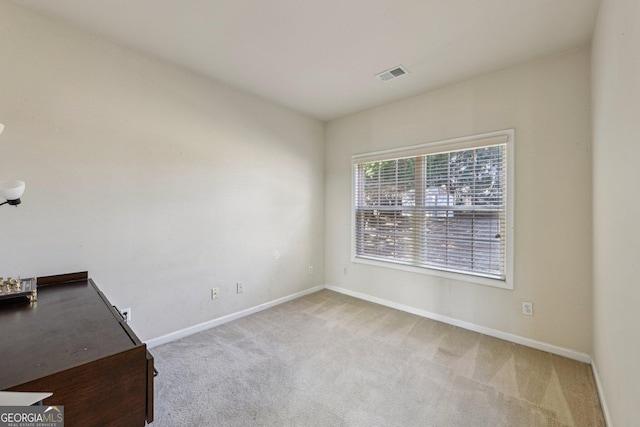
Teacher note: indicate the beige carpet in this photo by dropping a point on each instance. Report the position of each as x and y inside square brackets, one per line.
[328, 359]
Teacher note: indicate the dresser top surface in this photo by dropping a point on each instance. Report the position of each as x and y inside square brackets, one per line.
[70, 325]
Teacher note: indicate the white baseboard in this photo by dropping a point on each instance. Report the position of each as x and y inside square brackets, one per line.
[603, 402]
[561, 351]
[173, 336]
[539, 345]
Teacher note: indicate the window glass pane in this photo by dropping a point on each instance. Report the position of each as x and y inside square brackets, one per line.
[445, 211]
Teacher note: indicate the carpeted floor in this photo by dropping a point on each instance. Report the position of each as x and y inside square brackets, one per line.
[327, 359]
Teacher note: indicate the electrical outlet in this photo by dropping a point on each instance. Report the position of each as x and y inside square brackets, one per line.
[527, 308]
[345, 271]
[310, 270]
[240, 287]
[126, 313]
[214, 293]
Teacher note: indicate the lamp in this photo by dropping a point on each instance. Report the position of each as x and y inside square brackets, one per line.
[11, 191]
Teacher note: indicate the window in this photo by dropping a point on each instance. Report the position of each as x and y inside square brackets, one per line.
[442, 208]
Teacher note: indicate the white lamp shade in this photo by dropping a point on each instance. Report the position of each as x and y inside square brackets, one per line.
[1, 127]
[11, 190]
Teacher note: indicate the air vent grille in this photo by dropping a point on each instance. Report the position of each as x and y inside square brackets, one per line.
[391, 74]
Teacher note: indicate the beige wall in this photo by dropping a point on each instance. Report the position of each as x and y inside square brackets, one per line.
[159, 182]
[547, 103]
[616, 206]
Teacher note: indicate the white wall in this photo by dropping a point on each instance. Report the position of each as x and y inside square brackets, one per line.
[159, 182]
[616, 206]
[548, 104]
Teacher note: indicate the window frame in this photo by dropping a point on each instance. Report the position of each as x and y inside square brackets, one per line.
[448, 145]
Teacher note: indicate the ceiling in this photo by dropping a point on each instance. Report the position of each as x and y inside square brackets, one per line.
[320, 57]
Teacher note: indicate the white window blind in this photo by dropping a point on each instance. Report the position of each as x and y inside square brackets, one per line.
[430, 208]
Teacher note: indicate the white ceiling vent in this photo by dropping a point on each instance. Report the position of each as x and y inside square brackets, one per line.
[391, 74]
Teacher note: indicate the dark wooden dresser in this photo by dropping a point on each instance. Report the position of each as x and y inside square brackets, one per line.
[72, 342]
